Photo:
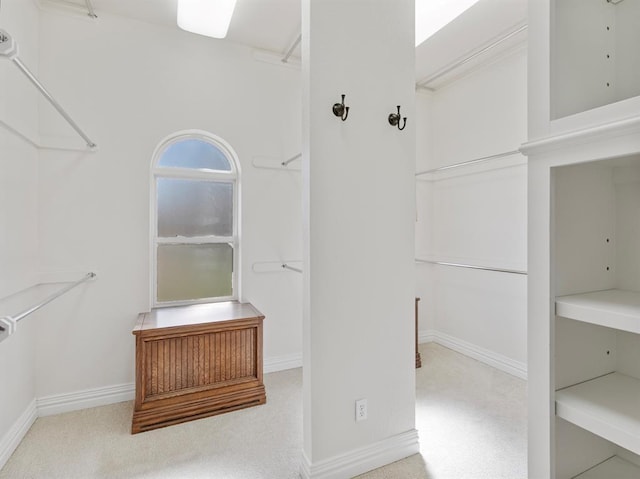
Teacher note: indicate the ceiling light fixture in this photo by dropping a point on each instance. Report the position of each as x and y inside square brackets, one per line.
[432, 15]
[206, 17]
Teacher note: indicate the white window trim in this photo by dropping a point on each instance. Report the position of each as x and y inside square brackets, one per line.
[196, 174]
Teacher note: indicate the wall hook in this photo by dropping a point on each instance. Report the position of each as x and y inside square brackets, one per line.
[339, 109]
[394, 119]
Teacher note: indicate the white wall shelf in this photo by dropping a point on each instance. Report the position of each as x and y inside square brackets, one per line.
[613, 467]
[606, 406]
[613, 308]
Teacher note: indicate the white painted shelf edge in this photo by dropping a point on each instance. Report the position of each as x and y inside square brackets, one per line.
[613, 308]
[614, 467]
[607, 406]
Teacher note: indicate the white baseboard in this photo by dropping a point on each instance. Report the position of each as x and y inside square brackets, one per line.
[14, 436]
[280, 363]
[427, 336]
[61, 403]
[363, 459]
[496, 360]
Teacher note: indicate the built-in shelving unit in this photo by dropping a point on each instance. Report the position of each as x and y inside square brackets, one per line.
[594, 49]
[613, 308]
[583, 236]
[597, 313]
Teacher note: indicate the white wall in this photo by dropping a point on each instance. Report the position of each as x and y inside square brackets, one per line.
[129, 85]
[477, 215]
[18, 219]
[359, 215]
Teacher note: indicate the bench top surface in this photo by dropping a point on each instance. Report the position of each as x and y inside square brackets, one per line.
[176, 316]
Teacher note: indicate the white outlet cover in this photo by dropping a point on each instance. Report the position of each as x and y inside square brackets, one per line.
[361, 409]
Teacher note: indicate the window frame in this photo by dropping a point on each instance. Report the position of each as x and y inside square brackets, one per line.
[196, 174]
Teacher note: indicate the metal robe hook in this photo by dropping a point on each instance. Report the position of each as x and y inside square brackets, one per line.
[394, 119]
[339, 109]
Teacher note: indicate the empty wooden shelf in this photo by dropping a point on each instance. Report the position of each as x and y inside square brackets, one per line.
[613, 308]
[607, 406]
[196, 361]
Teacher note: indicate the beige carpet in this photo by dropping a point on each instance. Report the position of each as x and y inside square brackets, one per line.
[471, 419]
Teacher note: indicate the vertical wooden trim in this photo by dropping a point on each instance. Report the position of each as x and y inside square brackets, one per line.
[166, 365]
[201, 373]
[227, 356]
[218, 361]
[258, 359]
[140, 375]
[178, 363]
[185, 363]
[206, 355]
[171, 343]
[154, 366]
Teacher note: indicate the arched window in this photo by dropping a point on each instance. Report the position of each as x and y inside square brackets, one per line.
[195, 220]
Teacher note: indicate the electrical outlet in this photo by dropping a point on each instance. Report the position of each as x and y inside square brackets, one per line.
[361, 409]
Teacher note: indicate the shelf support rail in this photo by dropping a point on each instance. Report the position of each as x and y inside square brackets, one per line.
[470, 162]
[9, 49]
[8, 323]
[293, 158]
[430, 79]
[293, 46]
[291, 268]
[470, 266]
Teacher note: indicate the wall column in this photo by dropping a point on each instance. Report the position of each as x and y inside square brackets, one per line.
[358, 221]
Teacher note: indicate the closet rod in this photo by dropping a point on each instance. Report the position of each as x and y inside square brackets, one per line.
[470, 266]
[425, 81]
[55, 295]
[470, 162]
[286, 266]
[8, 323]
[293, 46]
[9, 49]
[293, 158]
[92, 12]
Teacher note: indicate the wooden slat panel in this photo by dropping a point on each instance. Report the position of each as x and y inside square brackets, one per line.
[189, 354]
[225, 361]
[166, 367]
[217, 377]
[201, 360]
[201, 374]
[252, 360]
[243, 353]
[207, 352]
[171, 345]
[178, 360]
[194, 362]
[148, 374]
[154, 368]
[234, 354]
[183, 360]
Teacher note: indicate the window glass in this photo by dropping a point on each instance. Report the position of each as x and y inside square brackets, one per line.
[194, 153]
[195, 187]
[194, 271]
[194, 208]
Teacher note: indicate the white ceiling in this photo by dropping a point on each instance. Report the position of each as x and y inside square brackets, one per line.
[274, 25]
[271, 25]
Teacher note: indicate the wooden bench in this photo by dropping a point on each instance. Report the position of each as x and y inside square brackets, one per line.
[196, 361]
